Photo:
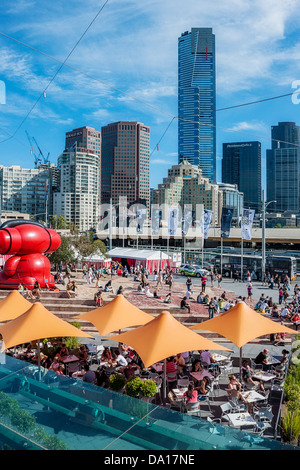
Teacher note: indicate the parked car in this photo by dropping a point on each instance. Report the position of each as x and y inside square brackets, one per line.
[193, 271]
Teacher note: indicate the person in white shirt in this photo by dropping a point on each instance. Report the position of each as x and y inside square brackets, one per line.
[121, 361]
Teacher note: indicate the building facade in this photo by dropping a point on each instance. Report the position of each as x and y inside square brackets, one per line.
[232, 198]
[28, 190]
[283, 168]
[197, 100]
[186, 185]
[84, 138]
[241, 166]
[78, 196]
[125, 163]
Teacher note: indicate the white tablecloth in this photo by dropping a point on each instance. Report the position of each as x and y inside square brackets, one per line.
[237, 420]
[252, 396]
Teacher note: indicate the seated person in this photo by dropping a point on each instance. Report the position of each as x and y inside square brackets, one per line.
[247, 373]
[118, 359]
[108, 287]
[180, 363]
[82, 354]
[71, 288]
[205, 299]
[140, 288]
[63, 353]
[106, 355]
[190, 397]
[167, 298]
[89, 375]
[205, 386]
[129, 370]
[234, 389]
[262, 357]
[36, 290]
[120, 291]
[275, 311]
[200, 298]
[184, 304]
[55, 364]
[280, 368]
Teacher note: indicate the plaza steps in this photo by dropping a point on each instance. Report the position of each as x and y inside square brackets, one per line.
[59, 304]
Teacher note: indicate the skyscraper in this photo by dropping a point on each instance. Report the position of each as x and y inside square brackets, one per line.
[125, 162]
[197, 100]
[283, 167]
[84, 137]
[78, 196]
[241, 165]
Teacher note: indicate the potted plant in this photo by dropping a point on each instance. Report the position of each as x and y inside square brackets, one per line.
[133, 387]
[116, 382]
[148, 389]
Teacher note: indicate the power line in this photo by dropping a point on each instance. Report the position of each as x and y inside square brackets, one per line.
[57, 72]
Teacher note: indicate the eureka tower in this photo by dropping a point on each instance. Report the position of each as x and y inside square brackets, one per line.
[197, 100]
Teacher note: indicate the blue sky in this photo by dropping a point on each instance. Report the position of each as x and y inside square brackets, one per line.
[131, 51]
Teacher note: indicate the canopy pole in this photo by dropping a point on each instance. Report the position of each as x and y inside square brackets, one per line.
[165, 383]
[39, 359]
[241, 348]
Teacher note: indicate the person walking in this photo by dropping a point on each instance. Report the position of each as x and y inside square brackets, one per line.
[249, 290]
[203, 282]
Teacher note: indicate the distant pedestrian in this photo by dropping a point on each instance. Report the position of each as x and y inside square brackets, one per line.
[249, 290]
[203, 282]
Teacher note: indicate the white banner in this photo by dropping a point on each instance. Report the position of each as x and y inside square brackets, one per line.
[246, 223]
[141, 215]
[206, 220]
[173, 220]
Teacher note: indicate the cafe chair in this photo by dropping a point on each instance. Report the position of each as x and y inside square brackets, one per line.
[215, 428]
[173, 404]
[193, 409]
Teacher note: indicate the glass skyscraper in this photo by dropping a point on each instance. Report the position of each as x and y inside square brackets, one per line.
[283, 167]
[197, 100]
[241, 165]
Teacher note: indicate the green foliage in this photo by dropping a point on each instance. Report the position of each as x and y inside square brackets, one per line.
[72, 342]
[116, 382]
[24, 422]
[136, 387]
[133, 386]
[290, 424]
[64, 253]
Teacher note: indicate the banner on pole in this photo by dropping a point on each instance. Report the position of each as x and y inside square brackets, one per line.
[141, 215]
[206, 220]
[155, 221]
[246, 223]
[187, 219]
[226, 219]
[173, 220]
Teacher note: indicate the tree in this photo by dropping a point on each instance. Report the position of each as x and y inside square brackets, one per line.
[64, 253]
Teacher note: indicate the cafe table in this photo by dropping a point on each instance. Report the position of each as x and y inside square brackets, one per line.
[272, 360]
[219, 357]
[179, 393]
[263, 376]
[159, 366]
[78, 375]
[199, 375]
[237, 420]
[252, 396]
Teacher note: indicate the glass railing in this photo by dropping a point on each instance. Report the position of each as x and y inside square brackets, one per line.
[42, 410]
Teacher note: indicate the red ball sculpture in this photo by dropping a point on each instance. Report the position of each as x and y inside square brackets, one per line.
[27, 241]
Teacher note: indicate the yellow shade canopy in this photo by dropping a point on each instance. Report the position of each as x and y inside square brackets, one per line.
[36, 323]
[117, 314]
[162, 337]
[242, 324]
[13, 305]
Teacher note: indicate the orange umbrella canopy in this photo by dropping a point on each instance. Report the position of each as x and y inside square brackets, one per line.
[241, 324]
[117, 314]
[162, 337]
[13, 305]
[36, 323]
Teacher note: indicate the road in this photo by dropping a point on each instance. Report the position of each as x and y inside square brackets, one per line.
[240, 288]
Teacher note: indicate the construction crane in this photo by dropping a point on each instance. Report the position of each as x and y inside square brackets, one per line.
[40, 158]
[37, 160]
[46, 159]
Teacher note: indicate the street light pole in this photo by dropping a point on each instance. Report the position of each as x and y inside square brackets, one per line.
[263, 232]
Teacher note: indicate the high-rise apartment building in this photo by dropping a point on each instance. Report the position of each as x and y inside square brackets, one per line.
[78, 196]
[186, 185]
[28, 190]
[85, 138]
[197, 100]
[283, 168]
[241, 165]
[125, 162]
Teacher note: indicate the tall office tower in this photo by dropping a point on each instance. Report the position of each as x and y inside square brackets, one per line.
[125, 162]
[241, 165]
[283, 168]
[84, 137]
[78, 196]
[197, 100]
[28, 190]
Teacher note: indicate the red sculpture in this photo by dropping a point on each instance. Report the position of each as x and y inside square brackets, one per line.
[26, 241]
